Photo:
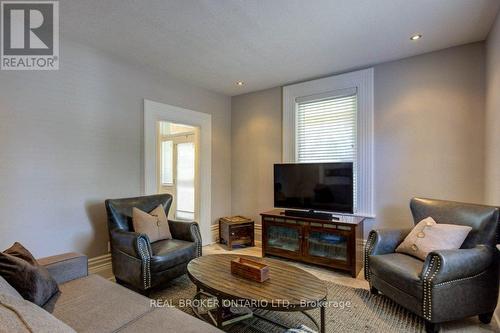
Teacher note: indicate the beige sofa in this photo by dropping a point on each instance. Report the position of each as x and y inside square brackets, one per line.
[90, 303]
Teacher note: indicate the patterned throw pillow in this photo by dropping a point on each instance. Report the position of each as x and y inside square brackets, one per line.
[428, 236]
[154, 224]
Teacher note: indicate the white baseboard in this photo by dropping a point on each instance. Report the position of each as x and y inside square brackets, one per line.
[214, 228]
[101, 265]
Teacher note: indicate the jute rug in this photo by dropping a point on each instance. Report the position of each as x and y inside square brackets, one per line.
[350, 310]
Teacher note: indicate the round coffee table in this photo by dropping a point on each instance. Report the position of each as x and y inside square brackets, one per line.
[288, 288]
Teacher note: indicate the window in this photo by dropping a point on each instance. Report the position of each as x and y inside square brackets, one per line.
[331, 120]
[326, 129]
[185, 181]
[167, 163]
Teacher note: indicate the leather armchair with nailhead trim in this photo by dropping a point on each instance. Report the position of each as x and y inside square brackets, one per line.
[139, 264]
[449, 284]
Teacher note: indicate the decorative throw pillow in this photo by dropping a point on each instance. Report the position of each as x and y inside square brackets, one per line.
[20, 316]
[428, 236]
[33, 281]
[154, 224]
[7, 289]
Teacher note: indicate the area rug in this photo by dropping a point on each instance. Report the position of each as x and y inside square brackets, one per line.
[350, 310]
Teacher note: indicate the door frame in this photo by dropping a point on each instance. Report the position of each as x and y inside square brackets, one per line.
[155, 112]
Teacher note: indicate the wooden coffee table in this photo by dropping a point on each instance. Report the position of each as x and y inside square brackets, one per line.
[289, 288]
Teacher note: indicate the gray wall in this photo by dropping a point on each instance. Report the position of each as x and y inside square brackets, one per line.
[429, 125]
[71, 138]
[256, 146]
[492, 175]
[493, 115]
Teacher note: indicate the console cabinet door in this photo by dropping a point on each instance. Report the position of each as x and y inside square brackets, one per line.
[282, 238]
[329, 246]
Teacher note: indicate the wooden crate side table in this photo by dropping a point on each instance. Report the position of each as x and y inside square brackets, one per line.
[236, 231]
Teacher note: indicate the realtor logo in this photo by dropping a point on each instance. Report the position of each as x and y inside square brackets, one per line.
[30, 35]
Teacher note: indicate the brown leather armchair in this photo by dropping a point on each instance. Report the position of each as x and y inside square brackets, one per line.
[449, 284]
[138, 263]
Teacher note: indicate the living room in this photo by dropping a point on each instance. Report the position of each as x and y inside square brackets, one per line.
[321, 166]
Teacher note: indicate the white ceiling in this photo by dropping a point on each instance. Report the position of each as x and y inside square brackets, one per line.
[267, 43]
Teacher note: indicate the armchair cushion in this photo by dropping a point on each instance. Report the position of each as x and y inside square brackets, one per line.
[399, 270]
[170, 253]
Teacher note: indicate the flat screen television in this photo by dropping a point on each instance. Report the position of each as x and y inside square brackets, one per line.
[314, 186]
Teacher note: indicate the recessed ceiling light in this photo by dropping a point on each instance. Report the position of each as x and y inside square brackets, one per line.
[240, 83]
[416, 37]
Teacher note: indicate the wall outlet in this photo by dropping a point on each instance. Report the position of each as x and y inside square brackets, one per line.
[109, 247]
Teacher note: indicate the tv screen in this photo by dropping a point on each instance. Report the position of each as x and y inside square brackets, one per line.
[318, 186]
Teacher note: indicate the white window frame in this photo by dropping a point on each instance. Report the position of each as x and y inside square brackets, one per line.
[362, 81]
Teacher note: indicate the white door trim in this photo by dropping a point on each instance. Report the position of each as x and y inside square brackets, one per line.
[154, 112]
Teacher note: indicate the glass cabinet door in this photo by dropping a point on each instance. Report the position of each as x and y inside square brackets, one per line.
[283, 238]
[328, 245]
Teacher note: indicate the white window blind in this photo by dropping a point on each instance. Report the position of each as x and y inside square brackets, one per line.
[326, 129]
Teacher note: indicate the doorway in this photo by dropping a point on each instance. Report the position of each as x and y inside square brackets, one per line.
[154, 113]
[177, 159]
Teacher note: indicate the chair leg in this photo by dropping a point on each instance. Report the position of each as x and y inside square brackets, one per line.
[485, 318]
[373, 290]
[431, 327]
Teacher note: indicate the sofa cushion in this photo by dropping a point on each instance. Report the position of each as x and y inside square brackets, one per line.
[400, 270]
[17, 315]
[169, 320]
[94, 304]
[22, 271]
[170, 253]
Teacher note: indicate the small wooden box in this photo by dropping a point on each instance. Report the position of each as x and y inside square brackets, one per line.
[236, 231]
[250, 269]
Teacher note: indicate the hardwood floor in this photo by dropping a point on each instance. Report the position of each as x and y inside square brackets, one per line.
[466, 325]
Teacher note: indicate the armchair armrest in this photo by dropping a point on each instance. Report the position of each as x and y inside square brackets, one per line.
[182, 230]
[132, 243]
[449, 265]
[66, 267]
[383, 241]
[186, 231]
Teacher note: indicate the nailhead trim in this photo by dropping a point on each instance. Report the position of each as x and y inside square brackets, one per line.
[461, 279]
[195, 231]
[427, 284]
[146, 264]
[368, 250]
